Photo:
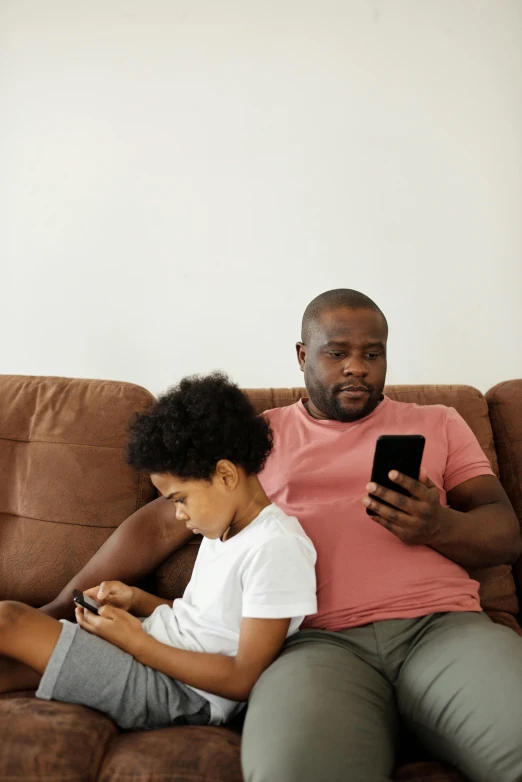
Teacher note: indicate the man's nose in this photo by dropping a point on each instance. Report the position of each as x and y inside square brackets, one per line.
[355, 366]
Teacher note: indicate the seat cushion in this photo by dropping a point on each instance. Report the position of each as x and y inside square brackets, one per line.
[49, 741]
[180, 754]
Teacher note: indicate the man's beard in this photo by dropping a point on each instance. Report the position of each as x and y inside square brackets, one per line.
[329, 403]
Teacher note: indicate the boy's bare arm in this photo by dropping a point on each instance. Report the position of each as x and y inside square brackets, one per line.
[129, 598]
[260, 641]
[137, 547]
[144, 604]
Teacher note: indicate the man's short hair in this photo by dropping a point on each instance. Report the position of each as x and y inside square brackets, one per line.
[333, 300]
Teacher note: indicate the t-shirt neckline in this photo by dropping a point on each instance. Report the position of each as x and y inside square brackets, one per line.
[332, 424]
[258, 518]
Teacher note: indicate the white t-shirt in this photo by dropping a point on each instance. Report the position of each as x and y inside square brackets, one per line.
[266, 571]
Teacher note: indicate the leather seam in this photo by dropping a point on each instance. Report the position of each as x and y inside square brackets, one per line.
[53, 521]
[60, 442]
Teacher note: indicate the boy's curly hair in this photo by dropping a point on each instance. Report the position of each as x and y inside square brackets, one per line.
[194, 425]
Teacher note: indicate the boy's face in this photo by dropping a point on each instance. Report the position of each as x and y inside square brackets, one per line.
[206, 507]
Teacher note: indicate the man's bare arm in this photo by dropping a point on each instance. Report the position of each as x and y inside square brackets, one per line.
[482, 529]
[136, 548]
[478, 530]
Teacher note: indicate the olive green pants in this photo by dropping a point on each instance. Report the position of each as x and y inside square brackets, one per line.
[328, 709]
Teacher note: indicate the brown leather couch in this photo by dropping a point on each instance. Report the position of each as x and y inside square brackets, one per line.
[64, 487]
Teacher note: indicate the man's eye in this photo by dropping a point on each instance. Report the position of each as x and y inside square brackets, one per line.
[336, 354]
[373, 356]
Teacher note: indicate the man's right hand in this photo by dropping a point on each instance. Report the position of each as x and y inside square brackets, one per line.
[114, 593]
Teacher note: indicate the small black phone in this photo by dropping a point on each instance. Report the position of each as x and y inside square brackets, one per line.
[401, 452]
[87, 602]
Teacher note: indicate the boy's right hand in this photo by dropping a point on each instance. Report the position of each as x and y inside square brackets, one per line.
[113, 593]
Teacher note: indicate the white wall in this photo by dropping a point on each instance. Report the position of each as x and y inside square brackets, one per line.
[179, 179]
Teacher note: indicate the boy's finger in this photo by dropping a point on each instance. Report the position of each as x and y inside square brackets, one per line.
[104, 590]
[78, 612]
[107, 611]
[108, 589]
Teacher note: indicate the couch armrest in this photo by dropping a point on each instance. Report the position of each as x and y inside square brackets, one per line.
[505, 406]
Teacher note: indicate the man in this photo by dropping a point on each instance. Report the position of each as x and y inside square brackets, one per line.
[398, 633]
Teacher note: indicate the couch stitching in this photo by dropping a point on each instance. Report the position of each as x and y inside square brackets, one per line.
[61, 442]
[53, 521]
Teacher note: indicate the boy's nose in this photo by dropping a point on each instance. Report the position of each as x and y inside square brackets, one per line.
[181, 515]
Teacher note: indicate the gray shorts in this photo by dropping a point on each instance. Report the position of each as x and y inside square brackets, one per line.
[87, 670]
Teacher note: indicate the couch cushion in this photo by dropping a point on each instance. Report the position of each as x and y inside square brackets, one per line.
[180, 754]
[49, 741]
[65, 486]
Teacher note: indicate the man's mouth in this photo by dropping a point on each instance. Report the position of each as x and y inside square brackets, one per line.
[354, 392]
[355, 389]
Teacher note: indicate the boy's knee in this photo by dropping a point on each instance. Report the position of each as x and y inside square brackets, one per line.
[11, 612]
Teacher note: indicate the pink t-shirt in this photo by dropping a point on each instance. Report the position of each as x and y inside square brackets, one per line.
[318, 472]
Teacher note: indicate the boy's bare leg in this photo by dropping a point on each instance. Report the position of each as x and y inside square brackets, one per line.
[17, 676]
[27, 637]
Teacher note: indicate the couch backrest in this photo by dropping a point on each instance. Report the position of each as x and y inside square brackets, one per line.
[498, 592]
[64, 485]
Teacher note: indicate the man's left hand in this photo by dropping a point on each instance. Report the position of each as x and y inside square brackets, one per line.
[114, 625]
[416, 520]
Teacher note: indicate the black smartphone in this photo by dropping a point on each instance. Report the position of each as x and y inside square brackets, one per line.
[87, 602]
[401, 452]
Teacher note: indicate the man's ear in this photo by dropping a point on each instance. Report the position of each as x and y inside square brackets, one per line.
[227, 474]
[301, 354]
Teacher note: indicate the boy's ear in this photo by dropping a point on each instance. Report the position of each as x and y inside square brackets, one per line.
[227, 474]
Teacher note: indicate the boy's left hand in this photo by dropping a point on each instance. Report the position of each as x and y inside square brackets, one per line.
[114, 625]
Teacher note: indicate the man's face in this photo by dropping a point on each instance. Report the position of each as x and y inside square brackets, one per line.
[344, 364]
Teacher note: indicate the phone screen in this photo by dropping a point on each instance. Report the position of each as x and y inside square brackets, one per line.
[87, 602]
[396, 452]
[91, 603]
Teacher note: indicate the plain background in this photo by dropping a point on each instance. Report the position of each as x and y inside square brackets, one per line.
[179, 179]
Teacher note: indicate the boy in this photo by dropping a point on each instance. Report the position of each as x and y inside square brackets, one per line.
[196, 660]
